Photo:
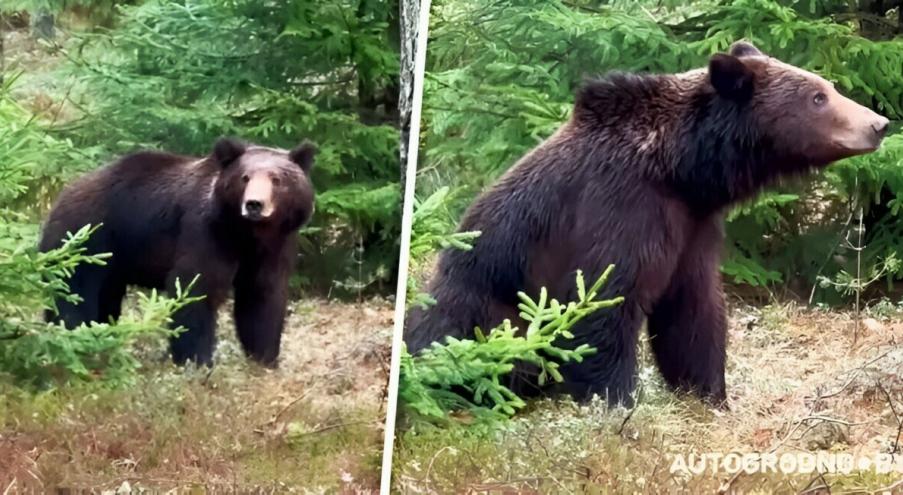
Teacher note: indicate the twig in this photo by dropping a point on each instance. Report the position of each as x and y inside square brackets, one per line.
[585, 8]
[893, 409]
[830, 254]
[338, 425]
[292, 403]
[207, 376]
[897, 440]
[816, 489]
[858, 370]
[639, 396]
[866, 17]
[59, 108]
[646, 11]
[726, 486]
[485, 487]
[429, 468]
[859, 249]
[828, 419]
[661, 455]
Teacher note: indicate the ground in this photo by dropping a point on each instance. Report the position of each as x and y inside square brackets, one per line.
[314, 425]
[797, 382]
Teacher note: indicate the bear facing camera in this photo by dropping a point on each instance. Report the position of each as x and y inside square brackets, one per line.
[641, 177]
[231, 217]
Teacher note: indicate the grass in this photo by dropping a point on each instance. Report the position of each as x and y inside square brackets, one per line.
[795, 383]
[313, 425]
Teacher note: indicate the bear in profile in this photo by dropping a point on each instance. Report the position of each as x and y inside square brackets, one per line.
[231, 217]
[641, 177]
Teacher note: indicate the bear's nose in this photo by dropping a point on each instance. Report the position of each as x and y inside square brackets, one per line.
[253, 206]
[880, 127]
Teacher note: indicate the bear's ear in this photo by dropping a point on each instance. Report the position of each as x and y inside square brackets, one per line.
[303, 155]
[226, 150]
[730, 77]
[745, 49]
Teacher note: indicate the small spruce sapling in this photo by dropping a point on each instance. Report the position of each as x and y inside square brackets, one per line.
[41, 354]
[464, 374]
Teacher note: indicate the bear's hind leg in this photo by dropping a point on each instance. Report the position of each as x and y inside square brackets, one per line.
[87, 283]
[197, 340]
[198, 319]
[688, 326]
[110, 301]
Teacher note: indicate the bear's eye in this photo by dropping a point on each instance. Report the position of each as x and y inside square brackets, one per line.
[245, 178]
[820, 99]
[276, 181]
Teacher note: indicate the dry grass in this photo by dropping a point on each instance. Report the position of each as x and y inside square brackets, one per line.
[314, 425]
[796, 384]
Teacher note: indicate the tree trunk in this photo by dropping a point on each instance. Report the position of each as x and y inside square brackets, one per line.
[410, 15]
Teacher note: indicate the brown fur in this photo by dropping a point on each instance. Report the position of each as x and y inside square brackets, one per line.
[166, 217]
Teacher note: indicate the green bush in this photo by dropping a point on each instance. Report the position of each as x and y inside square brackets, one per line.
[470, 375]
[432, 229]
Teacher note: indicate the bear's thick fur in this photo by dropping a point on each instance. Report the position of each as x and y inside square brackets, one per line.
[641, 177]
[231, 217]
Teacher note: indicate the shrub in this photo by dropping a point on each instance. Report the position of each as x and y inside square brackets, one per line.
[470, 375]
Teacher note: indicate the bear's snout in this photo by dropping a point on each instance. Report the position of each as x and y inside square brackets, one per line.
[880, 127]
[870, 135]
[257, 203]
[861, 131]
[253, 208]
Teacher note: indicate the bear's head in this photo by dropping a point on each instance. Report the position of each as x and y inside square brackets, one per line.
[800, 116]
[266, 187]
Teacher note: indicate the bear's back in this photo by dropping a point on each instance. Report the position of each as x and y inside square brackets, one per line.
[146, 188]
[147, 165]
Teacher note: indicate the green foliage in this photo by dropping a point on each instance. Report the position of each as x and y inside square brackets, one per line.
[745, 265]
[177, 74]
[35, 164]
[431, 225]
[745, 270]
[848, 284]
[464, 374]
[501, 78]
[432, 229]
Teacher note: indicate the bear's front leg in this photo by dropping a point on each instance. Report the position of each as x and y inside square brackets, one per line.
[688, 325]
[611, 372]
[261, 298]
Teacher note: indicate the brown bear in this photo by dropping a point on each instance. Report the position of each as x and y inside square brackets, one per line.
[640, 177]
[231, 217]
